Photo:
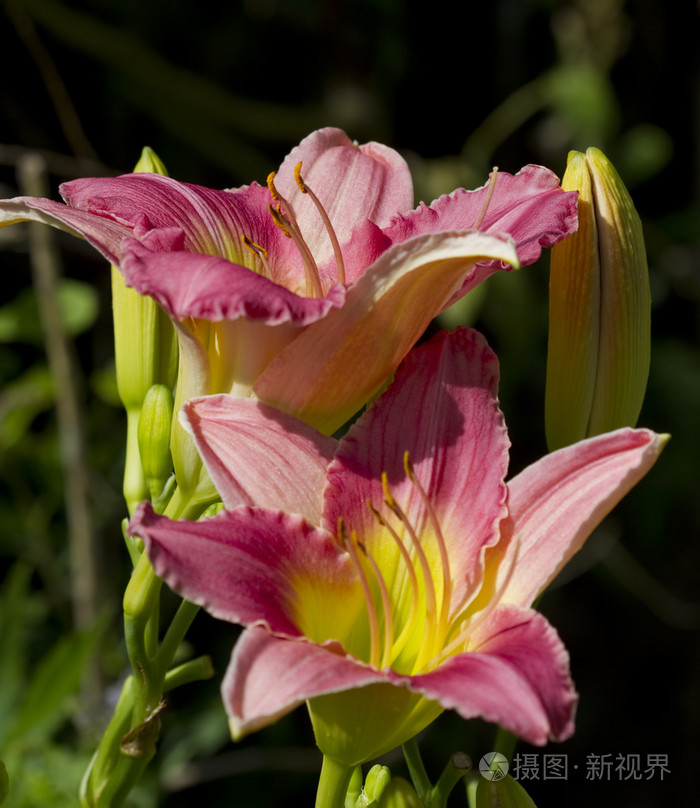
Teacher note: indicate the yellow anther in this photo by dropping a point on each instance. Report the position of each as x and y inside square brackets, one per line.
[271, 185]
[297, 177]
[279, 219]
[387, 494]
[256, 249]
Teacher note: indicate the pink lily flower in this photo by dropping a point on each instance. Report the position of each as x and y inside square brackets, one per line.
[391, 574]
[306, 293]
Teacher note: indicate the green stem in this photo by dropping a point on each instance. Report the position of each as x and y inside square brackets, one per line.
[416, 769]
[458, 767]
[175, 634]
[333, 784]
[194, 670]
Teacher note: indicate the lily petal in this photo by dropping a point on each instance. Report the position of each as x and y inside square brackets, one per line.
[257, 455]
[104, 235]
[203, 286]
[529, 206]
[557, 502]
[336, 365]
[250, 566]
[516, 675]
[445, 393]
[268, 677]
[353, 182]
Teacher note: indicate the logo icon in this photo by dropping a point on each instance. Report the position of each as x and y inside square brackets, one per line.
[493, 766]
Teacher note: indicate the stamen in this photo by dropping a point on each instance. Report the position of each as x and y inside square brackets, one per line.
[287, 222]
[386, 607]
[261, 253]
[440, 539]
[430, 600]
[470, 624]
[400, 642]
[349, 545]
[489, 194]
[304, 188]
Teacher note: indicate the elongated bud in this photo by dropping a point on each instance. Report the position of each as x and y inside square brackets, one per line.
[145, 352]
[378, 778]
[155, 422]
[599, 310]
[504, 793]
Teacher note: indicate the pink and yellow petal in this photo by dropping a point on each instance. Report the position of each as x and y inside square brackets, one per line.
[515, 674]
[334, 367]
[254, 567]
[442, 409]
[259, 456]
[558, 501]
[268, 677]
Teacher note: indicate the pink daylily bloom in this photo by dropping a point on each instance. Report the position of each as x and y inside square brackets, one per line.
[399, 576]
[311, 305]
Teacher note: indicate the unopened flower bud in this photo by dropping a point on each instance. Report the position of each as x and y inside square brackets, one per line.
[150, 163]
[400, 794]
[154, 427]
[599, 310]
[145, 353]
[378, 778]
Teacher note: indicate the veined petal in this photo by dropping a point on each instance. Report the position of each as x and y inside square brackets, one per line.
[203, 286]
[442, 409]
[557, 502]
[529, 206]
[252, 567]
[516, 675]
[212, 221]
[268, 677]
[104, 235]
[337, 364]
[257, 455]
[353, 182]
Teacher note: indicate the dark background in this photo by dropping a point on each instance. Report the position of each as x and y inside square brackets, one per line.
[222, 92]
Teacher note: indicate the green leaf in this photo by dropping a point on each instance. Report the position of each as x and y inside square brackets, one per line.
[78, 304]
[56, 679]
[4, 783]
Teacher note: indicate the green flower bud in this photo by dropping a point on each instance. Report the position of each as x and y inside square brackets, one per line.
[150, 163]
[154, 438]
[599, 310]
[378, 778]
[504, 793]
[145, 353]
[400, 794]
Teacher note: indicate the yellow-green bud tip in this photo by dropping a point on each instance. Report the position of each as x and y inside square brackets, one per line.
[150, 163]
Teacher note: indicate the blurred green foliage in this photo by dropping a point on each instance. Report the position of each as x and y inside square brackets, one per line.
[222, 93]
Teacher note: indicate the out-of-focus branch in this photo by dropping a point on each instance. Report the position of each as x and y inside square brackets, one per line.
[58, 93]
[46, 271]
